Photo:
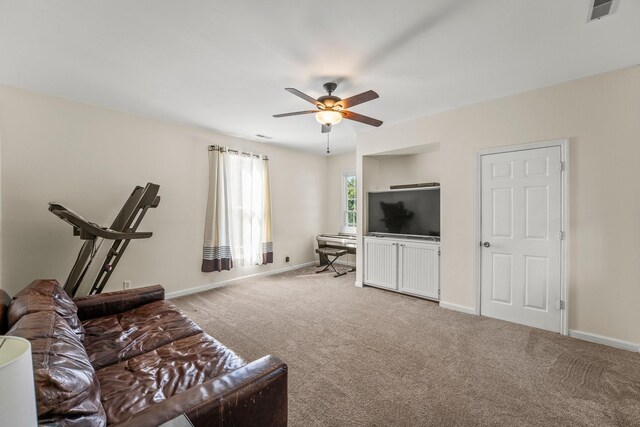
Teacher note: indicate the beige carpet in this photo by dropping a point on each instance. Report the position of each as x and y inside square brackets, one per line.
[368, 357]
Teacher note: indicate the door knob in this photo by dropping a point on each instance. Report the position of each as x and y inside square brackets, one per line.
[486, 244]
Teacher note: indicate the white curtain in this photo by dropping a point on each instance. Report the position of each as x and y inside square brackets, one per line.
[245, 225]
[216, 254]
[246, 183]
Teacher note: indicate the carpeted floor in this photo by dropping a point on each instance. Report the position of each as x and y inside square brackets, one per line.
[368, 357]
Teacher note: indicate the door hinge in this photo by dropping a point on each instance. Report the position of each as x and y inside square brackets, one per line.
[438, 252]
[560, 235]
[560, 166]
[559, 305]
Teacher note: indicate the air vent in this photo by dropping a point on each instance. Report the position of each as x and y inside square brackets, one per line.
[601, 8]
[263, 136]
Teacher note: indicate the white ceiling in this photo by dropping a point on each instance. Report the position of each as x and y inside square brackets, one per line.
[223, 65]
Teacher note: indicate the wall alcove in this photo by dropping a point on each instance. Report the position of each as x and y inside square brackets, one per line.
[403, 265]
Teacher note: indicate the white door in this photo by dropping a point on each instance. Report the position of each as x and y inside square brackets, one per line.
[521, 196]
[381, 257]
[419, 273]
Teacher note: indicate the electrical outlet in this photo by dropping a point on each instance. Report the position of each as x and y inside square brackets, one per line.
[286, 259]
[126, 284]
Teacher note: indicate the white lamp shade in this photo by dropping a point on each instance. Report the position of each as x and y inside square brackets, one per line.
[328, 117]
[17, 390]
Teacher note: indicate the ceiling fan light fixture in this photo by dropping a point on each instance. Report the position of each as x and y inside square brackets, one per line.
[328, 117]
[332, 109]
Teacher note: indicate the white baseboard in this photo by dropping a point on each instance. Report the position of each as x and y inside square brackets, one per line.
[347, 263]
[600, 339]
[359, 284]
[457, 307]
[214, 285]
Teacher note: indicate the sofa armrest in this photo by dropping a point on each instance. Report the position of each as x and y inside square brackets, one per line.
[5, 302]
[116, 302]
[253, 395]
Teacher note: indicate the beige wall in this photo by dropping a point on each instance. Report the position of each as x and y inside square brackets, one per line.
[90, 158]
[405, 169]
[1, 237]
[600, 116]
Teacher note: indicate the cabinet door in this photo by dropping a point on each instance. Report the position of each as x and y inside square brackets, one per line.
[381, 268]
[419, 265]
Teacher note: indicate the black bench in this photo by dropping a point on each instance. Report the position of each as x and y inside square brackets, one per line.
[335, 253]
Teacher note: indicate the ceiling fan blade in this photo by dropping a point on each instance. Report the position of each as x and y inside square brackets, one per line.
[358, 99]
[360, 118]
[297, 113]
[304, 96]
[326, 128]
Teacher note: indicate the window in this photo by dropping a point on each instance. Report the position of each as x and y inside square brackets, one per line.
[238, 219]
[349, 195]
[246, 208]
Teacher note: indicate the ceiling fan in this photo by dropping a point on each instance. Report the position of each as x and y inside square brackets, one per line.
[331, 109]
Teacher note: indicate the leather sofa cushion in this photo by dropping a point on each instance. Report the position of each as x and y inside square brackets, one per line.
[5, 301]
[135, 384]
[112, 339]
[45, 295]
[67, 390]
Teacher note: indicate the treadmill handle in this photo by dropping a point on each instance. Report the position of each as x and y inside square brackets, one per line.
[107, 233]
[89, 230]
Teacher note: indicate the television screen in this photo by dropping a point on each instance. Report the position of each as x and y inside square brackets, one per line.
[414, 212]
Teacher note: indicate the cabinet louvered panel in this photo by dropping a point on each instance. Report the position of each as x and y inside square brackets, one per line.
[381, 263]
[419, 265]
[411, 267]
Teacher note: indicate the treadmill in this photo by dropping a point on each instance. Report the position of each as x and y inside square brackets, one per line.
[122, 231]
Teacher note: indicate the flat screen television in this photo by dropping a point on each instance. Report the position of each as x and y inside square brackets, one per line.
[414, 212]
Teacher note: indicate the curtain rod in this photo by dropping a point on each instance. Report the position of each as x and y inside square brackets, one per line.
[241, 153]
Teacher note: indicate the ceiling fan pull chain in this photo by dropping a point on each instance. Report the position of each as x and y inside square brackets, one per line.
[328, 144]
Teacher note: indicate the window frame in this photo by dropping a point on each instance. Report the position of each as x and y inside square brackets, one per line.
[346, 174]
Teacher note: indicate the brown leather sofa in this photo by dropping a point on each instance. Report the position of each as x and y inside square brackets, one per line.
[132, 358]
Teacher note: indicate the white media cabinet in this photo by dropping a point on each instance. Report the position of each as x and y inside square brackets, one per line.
[410, 266]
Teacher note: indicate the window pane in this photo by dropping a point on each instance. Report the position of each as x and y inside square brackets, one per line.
[349, 200]
[351, 219]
